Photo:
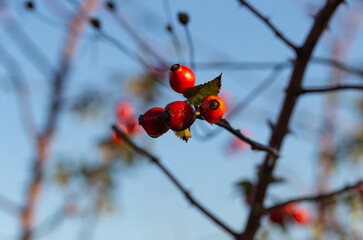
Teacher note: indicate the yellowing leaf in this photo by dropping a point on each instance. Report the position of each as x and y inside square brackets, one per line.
[185, 134]
[197, 93]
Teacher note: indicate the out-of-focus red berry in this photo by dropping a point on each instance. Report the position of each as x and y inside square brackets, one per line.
[237, 145]
[279, 215]
[134, 127]
[299, 213]
[115, 136]
[360, 189]
[228, 101]
[125, 111]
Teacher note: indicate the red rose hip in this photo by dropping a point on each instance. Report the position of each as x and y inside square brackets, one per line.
[212, 108]
[152, 123]
[178, 115]
[181, 78]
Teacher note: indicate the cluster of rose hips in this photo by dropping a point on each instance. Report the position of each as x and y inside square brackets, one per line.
[180, 115]
[126, 120]
[290, 212]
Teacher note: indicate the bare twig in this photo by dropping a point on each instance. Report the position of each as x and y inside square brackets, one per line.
[170, 29]
[243, 65]
[338, 87]
[259, 89]
[123, 48]
[191, 47]
[316, 198]
[254, 145]
[14, 72]
[269, 24]
[135, 35]
[338, 65]
[28, 47]
[56, 218]
[171, 177]
[9, 206]
[237, 132]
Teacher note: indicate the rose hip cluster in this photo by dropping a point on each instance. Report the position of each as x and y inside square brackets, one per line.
[180, 115]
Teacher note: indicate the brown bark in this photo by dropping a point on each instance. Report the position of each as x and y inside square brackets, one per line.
[281, 127]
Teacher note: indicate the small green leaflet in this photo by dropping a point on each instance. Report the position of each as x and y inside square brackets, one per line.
[185, 134]
[246, 186]
[197, 93]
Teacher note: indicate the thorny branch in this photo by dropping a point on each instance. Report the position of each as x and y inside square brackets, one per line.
[281, 128]
[173, 179]
[317, 198]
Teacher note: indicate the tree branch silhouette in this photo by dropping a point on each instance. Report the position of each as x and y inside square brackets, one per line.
[173, 179]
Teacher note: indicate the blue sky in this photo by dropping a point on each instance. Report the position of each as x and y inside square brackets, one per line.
[148, 205]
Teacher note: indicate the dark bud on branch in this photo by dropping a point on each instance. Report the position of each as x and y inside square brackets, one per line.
[169, 28]
[110, 5]
[95, 23]
[29, 5]
[183, 18]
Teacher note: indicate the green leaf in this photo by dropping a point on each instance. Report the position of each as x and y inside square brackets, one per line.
[185, 134]
[246, 186]
[197, 93]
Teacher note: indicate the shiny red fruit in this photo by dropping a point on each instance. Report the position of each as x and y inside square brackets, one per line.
[212, 108]
[178, 115]
[152, 123]
[181, 78]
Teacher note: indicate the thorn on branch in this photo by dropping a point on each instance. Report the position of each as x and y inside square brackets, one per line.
[169, 28]
[95, 22]
[271, 125]
[110, 5]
